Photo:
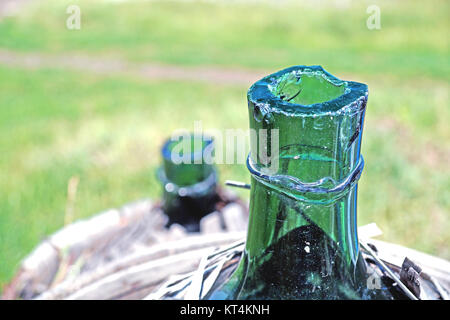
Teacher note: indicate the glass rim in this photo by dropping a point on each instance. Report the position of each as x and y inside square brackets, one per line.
[196, 155]
[260, 93]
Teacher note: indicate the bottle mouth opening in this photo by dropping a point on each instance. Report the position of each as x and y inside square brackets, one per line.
[307, 87]
[184, 164]
[191, 148]
[306, 90]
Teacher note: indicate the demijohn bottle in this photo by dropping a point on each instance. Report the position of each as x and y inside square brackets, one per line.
[302, 240]
[189, 183]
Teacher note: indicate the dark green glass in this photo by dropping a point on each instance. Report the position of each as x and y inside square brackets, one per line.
[189, 183]
[302, 238]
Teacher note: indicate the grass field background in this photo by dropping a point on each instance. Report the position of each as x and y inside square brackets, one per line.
[106, 129]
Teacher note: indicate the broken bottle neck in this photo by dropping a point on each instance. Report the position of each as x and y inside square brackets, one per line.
[305, 163]
[188, 181]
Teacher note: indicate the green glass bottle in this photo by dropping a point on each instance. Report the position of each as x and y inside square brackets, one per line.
[302, 238]
[189, 182]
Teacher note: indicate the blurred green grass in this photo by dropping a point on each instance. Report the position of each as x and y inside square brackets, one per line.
[107, 129]
[413, 40]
